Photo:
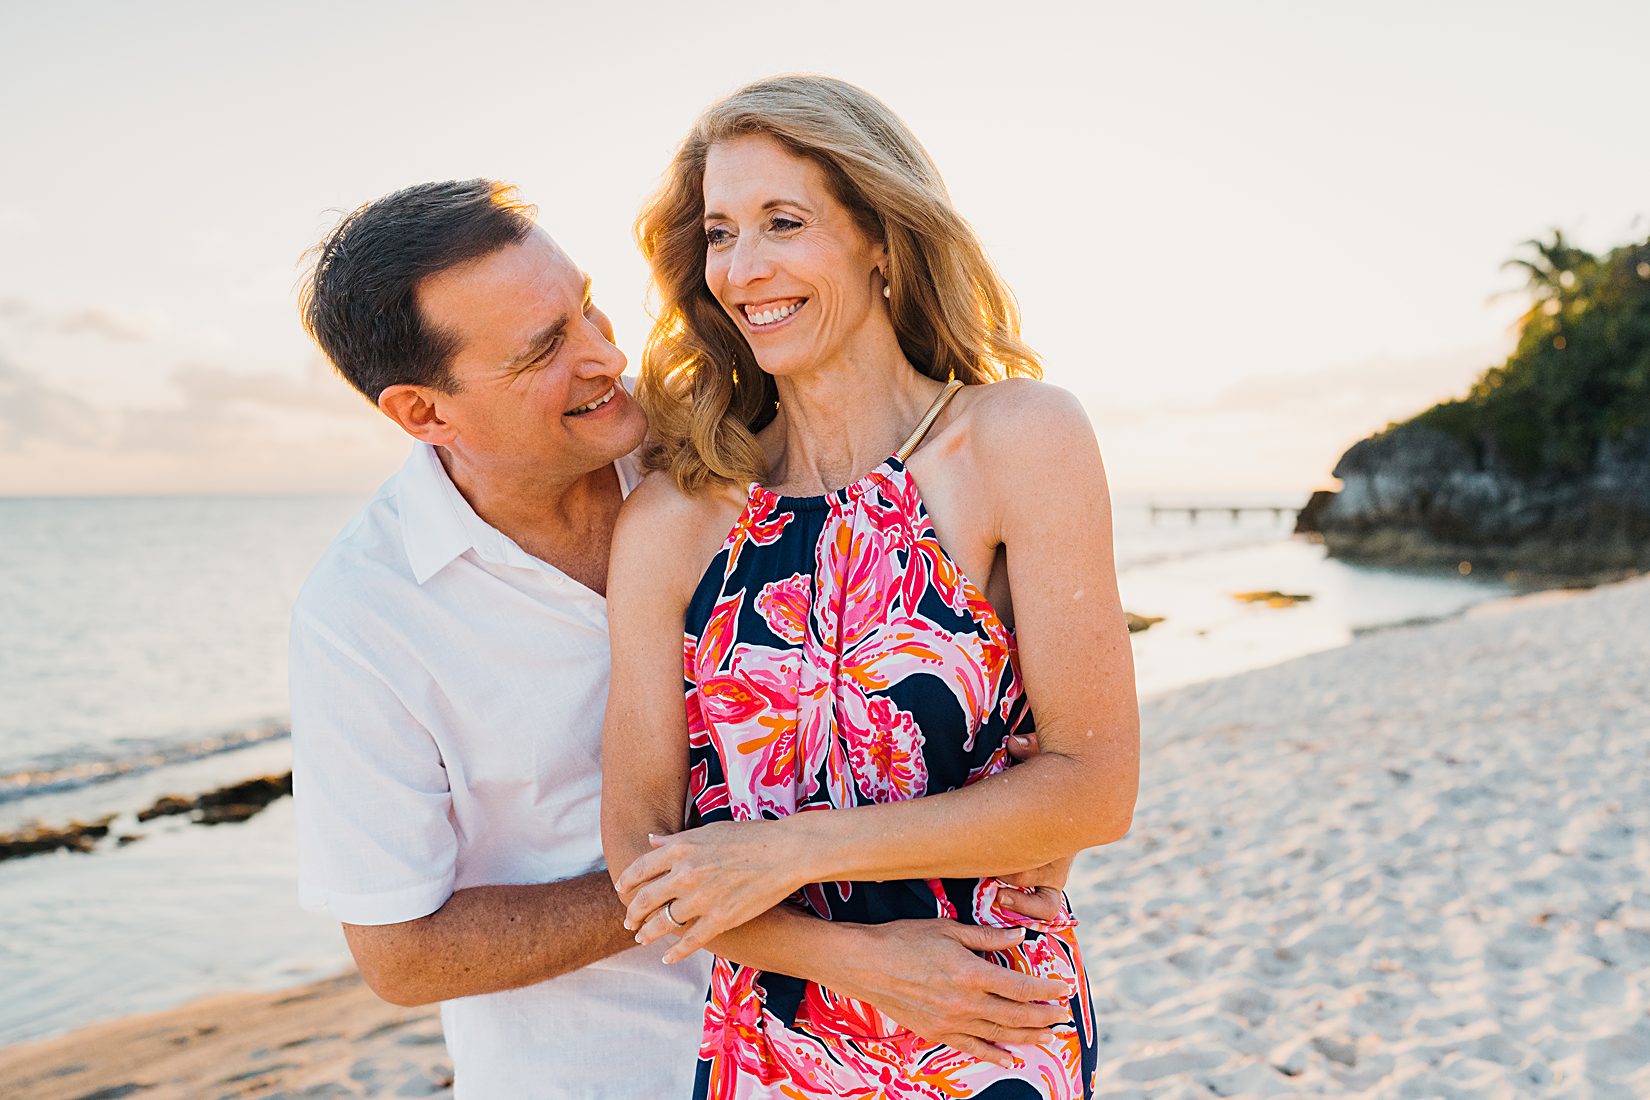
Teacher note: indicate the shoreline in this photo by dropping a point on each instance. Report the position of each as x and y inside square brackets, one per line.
[57, 794]
[1447, 901]
[227, 804]
[97, 828]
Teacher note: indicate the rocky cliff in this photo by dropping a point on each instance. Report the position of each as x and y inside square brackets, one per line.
[1544, 465]
[1415, 495]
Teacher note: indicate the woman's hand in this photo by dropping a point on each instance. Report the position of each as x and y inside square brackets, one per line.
[714, 878]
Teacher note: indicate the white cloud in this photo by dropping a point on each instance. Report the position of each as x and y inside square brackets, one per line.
[218, 430]
[31, 411]
[106, 323]
[318, 393]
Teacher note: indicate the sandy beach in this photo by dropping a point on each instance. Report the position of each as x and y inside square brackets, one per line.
[1416, 866]
[329, 1038]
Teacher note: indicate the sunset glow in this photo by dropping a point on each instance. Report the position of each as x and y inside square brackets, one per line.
[1244, 238]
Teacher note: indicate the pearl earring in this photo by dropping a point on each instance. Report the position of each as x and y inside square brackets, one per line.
[887, 291]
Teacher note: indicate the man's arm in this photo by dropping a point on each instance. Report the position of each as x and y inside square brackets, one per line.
[924, 974]
[377, 846]
[490, 938]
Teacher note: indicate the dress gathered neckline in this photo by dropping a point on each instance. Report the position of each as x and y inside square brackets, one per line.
[892, 464]
[845, 495]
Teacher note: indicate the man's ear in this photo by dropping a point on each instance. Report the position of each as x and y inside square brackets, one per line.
[416, 409]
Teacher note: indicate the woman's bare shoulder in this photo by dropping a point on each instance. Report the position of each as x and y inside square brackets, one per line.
[1019, 425]
[1016, 404]
[673, 534]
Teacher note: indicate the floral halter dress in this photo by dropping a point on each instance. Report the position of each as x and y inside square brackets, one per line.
[835, 656]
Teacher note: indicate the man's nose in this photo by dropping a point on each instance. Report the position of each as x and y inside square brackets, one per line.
[604, 357]
[605, 360]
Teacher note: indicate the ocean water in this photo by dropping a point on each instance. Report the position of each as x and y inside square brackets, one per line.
[142, 652]
[141, 630]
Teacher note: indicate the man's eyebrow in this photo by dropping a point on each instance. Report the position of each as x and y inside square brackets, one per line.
[541, 340]
[550, 333]
[717, 215]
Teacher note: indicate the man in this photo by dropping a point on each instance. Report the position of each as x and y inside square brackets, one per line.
[449, 674]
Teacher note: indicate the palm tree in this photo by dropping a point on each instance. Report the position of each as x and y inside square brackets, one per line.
[1555, 270]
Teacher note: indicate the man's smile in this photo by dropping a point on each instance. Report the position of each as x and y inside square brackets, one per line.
[596, 404]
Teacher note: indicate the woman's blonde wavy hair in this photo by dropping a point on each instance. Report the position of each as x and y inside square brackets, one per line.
[952, 312]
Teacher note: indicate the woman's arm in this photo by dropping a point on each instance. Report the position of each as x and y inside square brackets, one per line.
[1042, 477]
[644, 735]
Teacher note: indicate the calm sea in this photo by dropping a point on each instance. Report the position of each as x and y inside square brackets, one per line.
[143, 651]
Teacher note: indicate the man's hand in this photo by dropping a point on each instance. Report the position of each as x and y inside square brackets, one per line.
[1046, 901]
[1047, 882]
[925, 975]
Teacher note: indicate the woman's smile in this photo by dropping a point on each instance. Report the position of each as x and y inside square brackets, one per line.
[770, 314]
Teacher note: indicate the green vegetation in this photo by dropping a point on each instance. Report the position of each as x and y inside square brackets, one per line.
[1581, 372]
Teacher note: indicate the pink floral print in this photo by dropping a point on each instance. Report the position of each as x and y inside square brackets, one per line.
[835, 656]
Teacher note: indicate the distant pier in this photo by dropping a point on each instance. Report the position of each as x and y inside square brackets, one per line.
[1192, 511]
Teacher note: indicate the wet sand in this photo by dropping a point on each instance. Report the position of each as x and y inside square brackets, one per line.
[329, 1038]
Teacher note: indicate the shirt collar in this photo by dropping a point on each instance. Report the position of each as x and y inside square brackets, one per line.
[432, 527]
[438, 524]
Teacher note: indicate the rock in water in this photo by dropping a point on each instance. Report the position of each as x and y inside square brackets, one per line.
[236, 802]
[1273, 598]
[1309, 519]
[77, 836]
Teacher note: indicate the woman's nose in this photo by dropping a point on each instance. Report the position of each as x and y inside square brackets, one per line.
[748, 263]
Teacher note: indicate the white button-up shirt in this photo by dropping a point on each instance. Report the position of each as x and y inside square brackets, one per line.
[448, 690]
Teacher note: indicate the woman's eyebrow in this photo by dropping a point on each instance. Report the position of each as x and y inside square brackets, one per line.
[717, 215]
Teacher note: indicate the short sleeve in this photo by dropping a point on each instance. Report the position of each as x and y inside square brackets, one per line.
[376, 843]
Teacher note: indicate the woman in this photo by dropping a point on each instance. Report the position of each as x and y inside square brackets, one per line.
[828, 325]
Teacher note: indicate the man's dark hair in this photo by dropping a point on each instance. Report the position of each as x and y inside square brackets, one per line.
[358, 301]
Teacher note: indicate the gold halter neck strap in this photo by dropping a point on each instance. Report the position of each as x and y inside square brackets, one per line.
[928, 419]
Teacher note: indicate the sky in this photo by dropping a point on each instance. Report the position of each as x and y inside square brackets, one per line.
[1244, 235]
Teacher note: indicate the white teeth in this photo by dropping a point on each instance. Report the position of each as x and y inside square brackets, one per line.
[599, 402]
[768, 317]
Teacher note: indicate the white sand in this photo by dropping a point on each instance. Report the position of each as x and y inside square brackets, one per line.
[1418, 867]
